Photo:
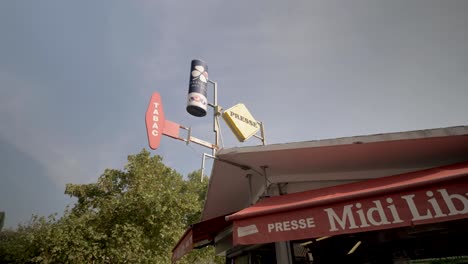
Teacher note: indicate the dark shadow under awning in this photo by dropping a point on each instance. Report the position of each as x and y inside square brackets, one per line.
[199, 235]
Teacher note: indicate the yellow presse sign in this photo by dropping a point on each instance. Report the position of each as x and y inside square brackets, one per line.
[241, 122]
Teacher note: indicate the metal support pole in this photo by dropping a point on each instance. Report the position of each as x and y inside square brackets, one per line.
[249, 177]
[202, 167]
[266, 179]
[262, 131]
[216, 110]
[203, 164]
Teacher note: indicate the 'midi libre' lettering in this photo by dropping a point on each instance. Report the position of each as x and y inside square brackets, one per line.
[379, 214]
[243, 119]
[449, 199]
[375, 216]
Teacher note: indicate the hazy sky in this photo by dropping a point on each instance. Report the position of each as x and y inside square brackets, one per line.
[76, 77]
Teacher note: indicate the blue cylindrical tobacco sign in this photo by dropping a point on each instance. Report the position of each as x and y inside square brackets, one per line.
[197, 101]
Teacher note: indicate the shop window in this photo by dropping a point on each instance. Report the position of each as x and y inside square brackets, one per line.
[260, 254]
[440, 243]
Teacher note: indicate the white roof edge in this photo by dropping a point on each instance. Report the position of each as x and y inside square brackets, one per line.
[407, 135]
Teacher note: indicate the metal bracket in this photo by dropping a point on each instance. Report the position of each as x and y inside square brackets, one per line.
[217, 110]
[262, 133]
[203, 164]
[196, 140]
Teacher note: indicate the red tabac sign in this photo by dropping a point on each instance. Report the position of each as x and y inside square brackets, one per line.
[444, 202]
[155, 121]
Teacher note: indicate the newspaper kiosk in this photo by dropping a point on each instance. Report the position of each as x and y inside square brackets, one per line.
[386, 198]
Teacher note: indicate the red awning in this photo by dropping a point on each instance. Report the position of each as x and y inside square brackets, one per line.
[427, 196]
[198, 235]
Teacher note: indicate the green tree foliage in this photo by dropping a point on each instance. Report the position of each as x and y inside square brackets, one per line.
[135, 215]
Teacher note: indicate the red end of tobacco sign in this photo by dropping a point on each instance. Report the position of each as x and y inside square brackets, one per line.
[155, 121]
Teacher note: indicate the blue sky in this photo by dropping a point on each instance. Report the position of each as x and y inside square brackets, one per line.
[76, 77]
